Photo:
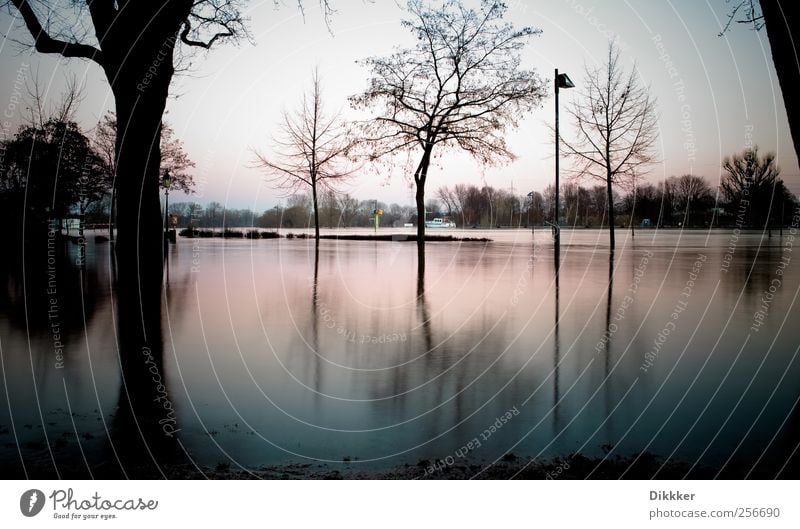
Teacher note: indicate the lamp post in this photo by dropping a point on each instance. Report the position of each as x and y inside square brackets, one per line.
[166, 182]
[561, 81]
[530, 205]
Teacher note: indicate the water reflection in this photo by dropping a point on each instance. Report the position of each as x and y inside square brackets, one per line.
[270, 352]
[422, 305]
[556, 342]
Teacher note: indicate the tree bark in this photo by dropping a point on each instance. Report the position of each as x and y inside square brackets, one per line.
[420, 177]
[781, 18]
[610, 201]
[139, 68]
[316, 209]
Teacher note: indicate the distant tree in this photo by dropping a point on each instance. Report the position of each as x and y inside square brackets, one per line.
[585, 204]
[599, 202]
[448, 199]
[348, 208]
[460, 193]
[569, 192]
[175, 160]
[173, 156]
[433, 208]
[460, 87]
[549, 196]
[535, 208]
[616, 124]
[692, 194]
[49, 168]
[749, 182]
[310, 151]
[642, 202]
[329, 209]
[53, 168]
[213, 215]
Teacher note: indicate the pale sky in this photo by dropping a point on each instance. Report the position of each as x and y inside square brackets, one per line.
[719, 95]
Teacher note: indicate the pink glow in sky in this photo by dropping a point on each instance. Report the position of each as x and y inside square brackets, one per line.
[715, 95]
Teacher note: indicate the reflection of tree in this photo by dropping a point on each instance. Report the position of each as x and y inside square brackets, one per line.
[608, 310]
[315, 318]
[49, 279]
[145, 428]
[607, 349]
[422, 305]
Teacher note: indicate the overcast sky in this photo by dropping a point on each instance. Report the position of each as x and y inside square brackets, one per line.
[719, 95]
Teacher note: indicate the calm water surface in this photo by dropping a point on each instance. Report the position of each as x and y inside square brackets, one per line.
[684, 345]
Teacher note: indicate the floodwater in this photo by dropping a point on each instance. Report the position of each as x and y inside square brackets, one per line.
[684, 345]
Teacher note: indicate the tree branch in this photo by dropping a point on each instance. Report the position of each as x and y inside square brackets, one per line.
[44, 43]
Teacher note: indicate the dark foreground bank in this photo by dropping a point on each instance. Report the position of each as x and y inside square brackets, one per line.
[643, 466]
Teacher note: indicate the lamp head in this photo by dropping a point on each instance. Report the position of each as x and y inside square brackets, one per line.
[563, 81]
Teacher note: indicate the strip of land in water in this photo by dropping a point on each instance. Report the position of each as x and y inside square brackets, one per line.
[257, 234]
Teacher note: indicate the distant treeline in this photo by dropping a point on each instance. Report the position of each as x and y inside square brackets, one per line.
[684, 201]
[52, 169]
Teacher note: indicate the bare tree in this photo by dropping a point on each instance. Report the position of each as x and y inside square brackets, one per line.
[616, 123]
[448, 199]
[62, 110]
[173, 156]
[748, 173]
[310, 150]
[461, 87]
[175, 160]
[750, 182]
[692, 193]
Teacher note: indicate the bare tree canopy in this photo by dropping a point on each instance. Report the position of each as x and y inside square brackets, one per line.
[173, 157]
[744, 12]
[461, 86]
[751, 183]
[310, 150]
[616, 122]
[780, 18]
[748, 174]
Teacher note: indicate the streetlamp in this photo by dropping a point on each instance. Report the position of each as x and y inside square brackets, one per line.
[561, 81]
[530, 205]
[166, 181]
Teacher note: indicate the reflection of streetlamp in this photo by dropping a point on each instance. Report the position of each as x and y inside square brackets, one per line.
[166, 181]
[561, 81]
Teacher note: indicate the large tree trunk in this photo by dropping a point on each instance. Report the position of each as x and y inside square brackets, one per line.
[146, 423]
[781, 18]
